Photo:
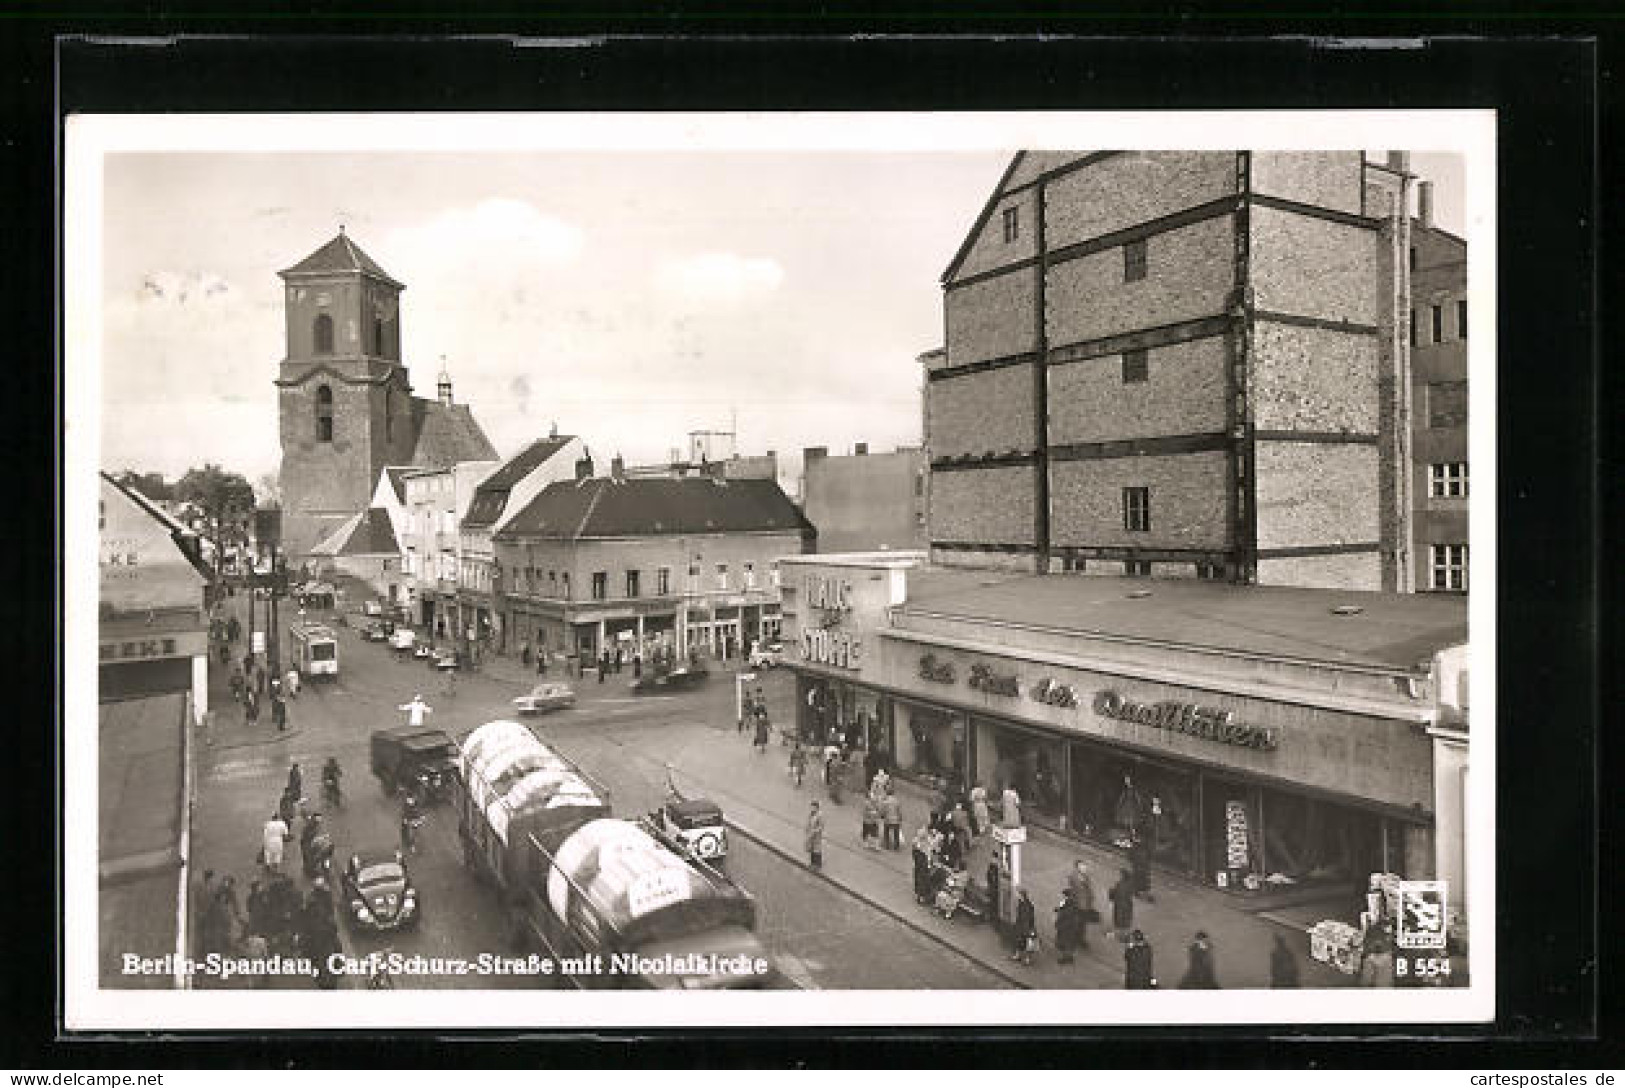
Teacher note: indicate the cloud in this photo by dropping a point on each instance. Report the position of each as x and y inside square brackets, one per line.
[719, 277]
[512, 232]
[180, 287]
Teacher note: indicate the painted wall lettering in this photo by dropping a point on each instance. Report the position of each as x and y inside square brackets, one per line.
[837, 648]
[1209, 723]
[983, 678]
[1052, 694]
[935, 670]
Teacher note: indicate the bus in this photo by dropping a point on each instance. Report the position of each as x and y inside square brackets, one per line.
[315, 650]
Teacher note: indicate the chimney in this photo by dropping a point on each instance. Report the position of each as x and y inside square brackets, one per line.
[1400, 160]
[1424, 204]
[859, 449]
[553, 430]
[813, 453]
[584, 467]
[617, 469]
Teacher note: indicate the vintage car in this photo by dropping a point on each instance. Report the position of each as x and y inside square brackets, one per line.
[375, 632]
[692, 826]
[682, 678]
[403, 638]
[373, 608]
[548, 695]
[416, 759]
[377, 892]
[765, 657]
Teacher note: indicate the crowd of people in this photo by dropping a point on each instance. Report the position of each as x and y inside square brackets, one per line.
[276, 918]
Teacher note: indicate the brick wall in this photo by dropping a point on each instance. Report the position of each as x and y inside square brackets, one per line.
[990, 250]
[1362, 570]
[1314, 267]
[1189, 274]
[1034, 163]
[983, 560]
[1315, 493]
[1188, 501]
[332, 476]
[986, 412]
[1183, 393]
[1309, 379]
[1328, 179]
[1133, 188]
[992, 505]
[990, 319]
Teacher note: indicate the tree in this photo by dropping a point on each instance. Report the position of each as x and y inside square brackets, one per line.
[269, 488]
[226, 501]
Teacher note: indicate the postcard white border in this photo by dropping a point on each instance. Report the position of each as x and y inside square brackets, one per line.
[1470, 133]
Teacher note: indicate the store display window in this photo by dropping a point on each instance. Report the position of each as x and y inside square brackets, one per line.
[930, 744]
[1116, 796]
[1034, 764]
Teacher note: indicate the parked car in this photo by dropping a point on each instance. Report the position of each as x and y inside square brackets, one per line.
[765, 657]
[415, 758]
[548, 695]
[683, 678]
[403, 638]
[375, 632]
[373, 608]
[378, 893]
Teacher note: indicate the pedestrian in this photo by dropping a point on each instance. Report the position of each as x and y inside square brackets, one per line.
[296, 780]
[1122, 897]
[259, 680]
[236, 684]
[541, 661]
[272, 838]
[953, 855]
[1010, 808]
[880, 784]
[1139, 856]
[259, 915]
[307, 833]
[1138, 971]
[416, 710]
[747, 712]
[290, 684]
[257, 949]
[1068, 927]
[524, 654]
[993, 881]
[1199, 965]
[279, 712]
[798, 763]
[922, 864]
[871, 824]
[1376, 959]
[1082, 887]
[815, 837]
[980, 821]
[619, 658]
[234, 629]
[1283, 966]
[251, 706]
[1026, 930]
[637, 666]
[761, 734]
[959, 820]
[891, 816]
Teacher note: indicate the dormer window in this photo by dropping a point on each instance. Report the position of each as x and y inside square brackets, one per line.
[324, 413]
[321, 334]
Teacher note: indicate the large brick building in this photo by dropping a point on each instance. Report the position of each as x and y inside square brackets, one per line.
[1439, 400]
[344, 398]
[1179, 363]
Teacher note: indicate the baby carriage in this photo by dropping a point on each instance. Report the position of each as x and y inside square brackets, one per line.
[951, 893]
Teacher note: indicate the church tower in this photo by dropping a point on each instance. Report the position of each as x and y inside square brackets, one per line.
[344, 400]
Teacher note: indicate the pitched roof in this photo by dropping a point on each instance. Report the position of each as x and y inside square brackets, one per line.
[369, 532]
[491, 497]
[339, 255]
[397, 480]
[1387, 630]
[447, 434]
[652, 506]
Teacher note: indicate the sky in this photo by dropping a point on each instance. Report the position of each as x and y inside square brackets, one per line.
[629, 296]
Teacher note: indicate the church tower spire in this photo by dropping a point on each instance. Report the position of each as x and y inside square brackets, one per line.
[443, 385]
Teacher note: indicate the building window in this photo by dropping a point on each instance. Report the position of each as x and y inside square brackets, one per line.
[773, 573]
[101, 513]
[1012, 224]
[600, 585]
[1137, 568]
[722, 576]
[377, 336]
[1211, 572]
[324, 413]
[321, 334]
[1137, 509]
[564, 580]
[553, 583]
[1461, 318]
[1438, 324]
[1448, 480]
[663, 582]
[1413, 325]
[389, 416]
[1136, 365]
[750, 575]
[919, 485]
[633, 588]
[1134, 261]
[1413, 258]
[1449, 566]
[1447, 404]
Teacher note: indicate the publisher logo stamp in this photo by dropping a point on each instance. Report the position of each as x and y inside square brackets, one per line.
[1421, 914]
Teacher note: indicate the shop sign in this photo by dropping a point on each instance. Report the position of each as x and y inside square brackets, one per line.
[824, 647]
[143, 649]
[983, 678]
[1235, 835]
[829, 594]
[938, 672]
[1209, 723]
[1050, 693]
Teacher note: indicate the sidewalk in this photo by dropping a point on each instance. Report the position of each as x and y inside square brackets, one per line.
[763, 804]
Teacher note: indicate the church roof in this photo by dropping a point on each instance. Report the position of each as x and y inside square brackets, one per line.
[447, 434]
[654, 506]
[339, 255]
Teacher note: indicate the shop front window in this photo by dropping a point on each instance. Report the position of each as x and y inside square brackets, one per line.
[1291, 839]
[1116, 796]
[1034, 765]
[930, 743]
